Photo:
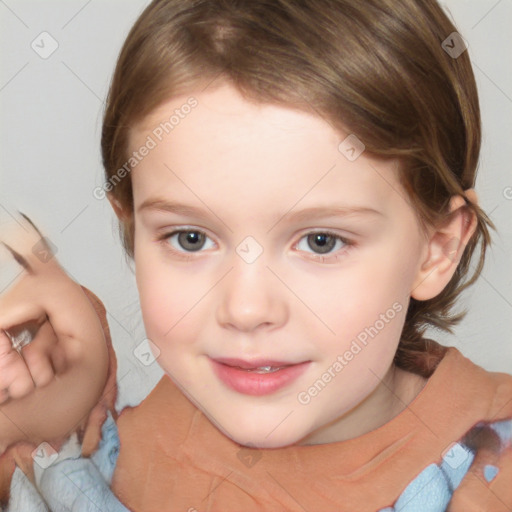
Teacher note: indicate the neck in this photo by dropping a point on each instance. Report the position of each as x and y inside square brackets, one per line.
[394, 393]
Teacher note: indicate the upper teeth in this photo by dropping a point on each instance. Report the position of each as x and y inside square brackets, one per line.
[263, 369]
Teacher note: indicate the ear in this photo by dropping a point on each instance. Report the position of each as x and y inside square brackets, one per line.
[445, 247]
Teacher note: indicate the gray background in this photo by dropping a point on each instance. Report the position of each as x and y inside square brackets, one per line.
[50, 163]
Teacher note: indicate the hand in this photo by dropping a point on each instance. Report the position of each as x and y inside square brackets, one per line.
[29, 353]
[35, 365]
[54, 380]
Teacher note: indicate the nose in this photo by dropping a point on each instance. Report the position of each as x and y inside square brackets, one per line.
[252, 298]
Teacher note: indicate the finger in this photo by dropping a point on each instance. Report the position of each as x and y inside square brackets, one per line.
[5, 345]
[22, 384]
[4, 395]
[15, 313]
[9, 360]
[37, 356]
[15, 378]
[74, 320]
[59, 361]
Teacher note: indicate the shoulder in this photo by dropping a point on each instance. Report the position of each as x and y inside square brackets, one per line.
[501, 406]
[490, 392]
[486, 484]
[473, 476]
[475, 470]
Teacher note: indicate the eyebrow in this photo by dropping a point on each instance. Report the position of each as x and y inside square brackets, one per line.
[316, 212]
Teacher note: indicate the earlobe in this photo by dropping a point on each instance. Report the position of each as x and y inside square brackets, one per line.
[445, 248]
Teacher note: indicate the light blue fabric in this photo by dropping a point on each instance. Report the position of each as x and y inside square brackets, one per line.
[490, 472]
[74, 484]
[78, 484]
[432, 489]
[455, 464]
[24, 495]
[105, 457]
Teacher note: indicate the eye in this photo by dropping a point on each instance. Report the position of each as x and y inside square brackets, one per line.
[323, 242]
[190, 240]
[184, 242]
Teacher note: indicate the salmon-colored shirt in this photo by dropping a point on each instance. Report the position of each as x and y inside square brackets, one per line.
[172, 458]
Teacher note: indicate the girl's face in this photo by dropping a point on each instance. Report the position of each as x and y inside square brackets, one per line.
[262, 240]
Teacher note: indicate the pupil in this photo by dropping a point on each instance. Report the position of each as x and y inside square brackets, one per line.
[324, 241]
[191, 240]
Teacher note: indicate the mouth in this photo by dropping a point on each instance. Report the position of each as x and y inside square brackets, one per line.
[257, 377]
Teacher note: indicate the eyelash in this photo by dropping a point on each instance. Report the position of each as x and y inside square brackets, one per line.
[348, 245]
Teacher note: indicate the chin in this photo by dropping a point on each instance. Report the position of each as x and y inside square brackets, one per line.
[261, 438]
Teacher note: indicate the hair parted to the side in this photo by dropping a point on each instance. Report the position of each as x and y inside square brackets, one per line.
[375, 68]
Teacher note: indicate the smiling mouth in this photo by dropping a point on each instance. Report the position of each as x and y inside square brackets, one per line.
[258, 377]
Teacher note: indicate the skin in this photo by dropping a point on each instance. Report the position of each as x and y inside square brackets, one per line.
[289, 304]
[48, 390]
[251, 166]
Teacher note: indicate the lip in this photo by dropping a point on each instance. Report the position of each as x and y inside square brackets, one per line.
[256, 384]
[255, 363]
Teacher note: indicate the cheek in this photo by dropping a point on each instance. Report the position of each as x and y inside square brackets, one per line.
[168, 298]
[157, 296]
[369, 311]
[379, 287]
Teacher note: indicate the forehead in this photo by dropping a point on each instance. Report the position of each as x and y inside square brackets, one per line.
[226, 145]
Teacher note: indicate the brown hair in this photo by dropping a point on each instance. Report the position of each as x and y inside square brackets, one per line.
[375, 68]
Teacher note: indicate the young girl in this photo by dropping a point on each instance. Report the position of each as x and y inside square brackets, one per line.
[294, 182]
